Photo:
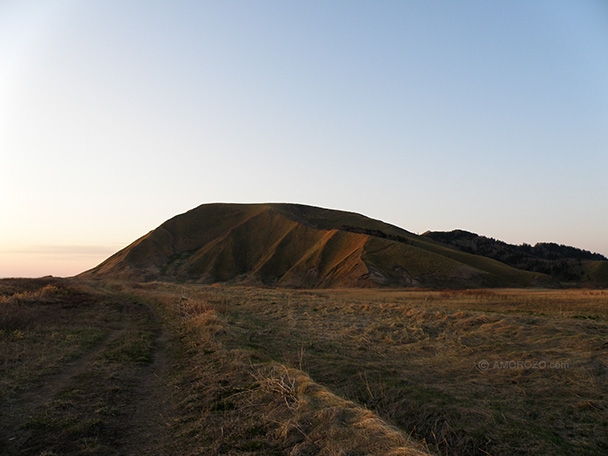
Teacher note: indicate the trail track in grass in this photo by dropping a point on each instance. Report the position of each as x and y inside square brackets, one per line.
[106, 392]
[16, 412]
[149, 412]
[118, 368]
[102, 368]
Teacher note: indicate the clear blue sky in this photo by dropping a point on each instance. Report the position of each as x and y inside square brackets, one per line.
[116, 115]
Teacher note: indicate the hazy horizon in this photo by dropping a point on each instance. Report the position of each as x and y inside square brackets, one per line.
[115, 117]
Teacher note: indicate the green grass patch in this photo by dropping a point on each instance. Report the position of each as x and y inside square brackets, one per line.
[132, 347]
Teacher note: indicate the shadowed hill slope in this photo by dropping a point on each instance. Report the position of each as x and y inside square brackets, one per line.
[300, 246]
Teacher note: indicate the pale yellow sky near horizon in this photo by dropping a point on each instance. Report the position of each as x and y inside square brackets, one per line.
[57, 260]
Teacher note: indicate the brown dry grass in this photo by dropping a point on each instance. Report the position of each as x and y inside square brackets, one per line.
[247, 402]
[417, 359]
[335, 372]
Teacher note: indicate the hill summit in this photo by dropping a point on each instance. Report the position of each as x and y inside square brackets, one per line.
[294, 245]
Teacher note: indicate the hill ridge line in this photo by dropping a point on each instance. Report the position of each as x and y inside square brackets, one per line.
[298, 245]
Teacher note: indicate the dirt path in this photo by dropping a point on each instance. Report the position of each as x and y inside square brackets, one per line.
[14, 414]
[149, 413]
[109, 401]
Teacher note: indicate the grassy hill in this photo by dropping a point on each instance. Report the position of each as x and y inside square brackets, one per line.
[300, 246]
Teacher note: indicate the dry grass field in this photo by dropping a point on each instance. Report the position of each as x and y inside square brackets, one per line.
[462, 372]
[118, 368]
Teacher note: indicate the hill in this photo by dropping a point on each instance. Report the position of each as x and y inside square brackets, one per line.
[301, 246]
[565, 264]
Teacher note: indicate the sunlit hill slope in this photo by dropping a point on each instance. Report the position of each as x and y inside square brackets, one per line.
[300, 246]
